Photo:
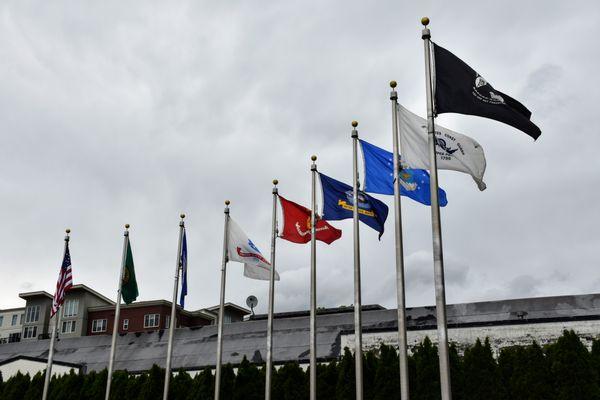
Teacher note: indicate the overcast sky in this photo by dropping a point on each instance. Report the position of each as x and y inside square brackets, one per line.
[123, 112]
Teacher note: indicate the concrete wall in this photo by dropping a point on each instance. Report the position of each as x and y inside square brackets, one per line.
[500, 336]
[31, 367]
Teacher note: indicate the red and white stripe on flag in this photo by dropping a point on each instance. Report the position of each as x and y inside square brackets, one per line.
[64, 283]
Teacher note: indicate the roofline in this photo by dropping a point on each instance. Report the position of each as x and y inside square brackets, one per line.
[92, 291]
[36, 293]
[39, 359]
[229, 304]
[150, 303]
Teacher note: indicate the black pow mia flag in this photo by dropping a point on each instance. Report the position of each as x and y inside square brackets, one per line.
[460, 89]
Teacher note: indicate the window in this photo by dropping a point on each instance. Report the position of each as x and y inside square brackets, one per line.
[70, 308]
[151, 320]
[32, 314]
[99, 325]
[1, 319]
[30, 332]
[68, 327]
[14, 337]
[167, 321]
[13, 321]
[125, 324]
[21, 319]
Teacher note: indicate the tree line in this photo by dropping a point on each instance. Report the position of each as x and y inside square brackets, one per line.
[563, 370]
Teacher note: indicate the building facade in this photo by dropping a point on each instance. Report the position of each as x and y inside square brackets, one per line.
[11, 324]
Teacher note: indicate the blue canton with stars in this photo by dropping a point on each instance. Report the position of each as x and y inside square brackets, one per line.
[379, 177]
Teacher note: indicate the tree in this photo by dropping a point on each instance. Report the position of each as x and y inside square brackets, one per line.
[427, 376]
[572, 369]
[370, 363]
[457, 373]
[94, 385]
[227, 382]
[180, 385]
[203, 386]
[119, 387]
[525, 373]
[387, 375]
[16, 387]
[152, 389]
[290, 383]
[248, 383]
[346, 385]
[36, 387]
[326, 379]
[481, 374]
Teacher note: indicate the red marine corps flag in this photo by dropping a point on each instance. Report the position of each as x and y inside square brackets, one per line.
[297, 224]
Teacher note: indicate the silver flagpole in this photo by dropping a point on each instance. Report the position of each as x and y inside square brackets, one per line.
[54, 333]
[438, 256]
[113, 345]
[222, 305]
[402, 351]
[173, 320]
[271, 297]
[358, 362]
[313, 281]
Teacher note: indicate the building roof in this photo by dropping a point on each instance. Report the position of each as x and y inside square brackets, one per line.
[320, 311]
[86, 288]
[41, 360]
[12, 309]
[241, 309]
[36, 294]
[195, 348]
[153, 303]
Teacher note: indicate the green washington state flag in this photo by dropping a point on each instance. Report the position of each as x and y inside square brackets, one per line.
[129, 289]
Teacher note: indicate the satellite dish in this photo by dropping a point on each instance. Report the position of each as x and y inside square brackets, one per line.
[252, 302]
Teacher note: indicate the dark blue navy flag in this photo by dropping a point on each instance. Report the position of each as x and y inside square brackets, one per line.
[183, 261]
[379, 177]
[338, 204]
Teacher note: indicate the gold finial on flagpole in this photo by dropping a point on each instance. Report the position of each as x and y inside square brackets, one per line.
[354, 124]
[227, 202]
[126, 226]
[68, 231]
[275, 181]
[425, 21]
[182, 215]
[313, 157]
[393, 84]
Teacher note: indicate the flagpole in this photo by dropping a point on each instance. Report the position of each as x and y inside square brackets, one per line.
[271, 296]
[173, 320]
[313, 281]
[113, 345]
[358, 362]
[438, 257]
[54, 333]
[400, 293]
[222, 306]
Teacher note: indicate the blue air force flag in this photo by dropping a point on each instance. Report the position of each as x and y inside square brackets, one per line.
[338, 204]
[379, 177]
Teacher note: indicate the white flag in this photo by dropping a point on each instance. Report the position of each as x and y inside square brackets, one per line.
[454, 151]
[241, 249]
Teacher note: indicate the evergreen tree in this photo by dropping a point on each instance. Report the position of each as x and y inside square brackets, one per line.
[93, 389]
[525, 373]
[481, 374]
[427, 376]
[67, 387]
[203, 386]
[290, 383]
[326, 379]
[387, 375]
[572, 369]
[227, 382]
[16, 387]
[595, 358]
[248, 383]
[180, 385]
[36, 387]
[370, 362]
[346, 384]
[153, 388]
[119, 386]
[457, 377]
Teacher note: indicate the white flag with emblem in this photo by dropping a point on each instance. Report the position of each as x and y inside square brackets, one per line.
[241, 249]
[454, 151]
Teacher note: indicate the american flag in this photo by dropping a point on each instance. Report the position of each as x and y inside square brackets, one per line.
[64, 283]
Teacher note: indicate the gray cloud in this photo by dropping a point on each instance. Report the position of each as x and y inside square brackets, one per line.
[111, 113]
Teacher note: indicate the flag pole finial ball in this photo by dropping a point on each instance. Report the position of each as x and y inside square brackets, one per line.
[354, 124]
[425, 21]
[393, 84]
[275, 181]
[227, 202]
[68, 231]
[314, 158]
[182, 215]
[126, 226]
